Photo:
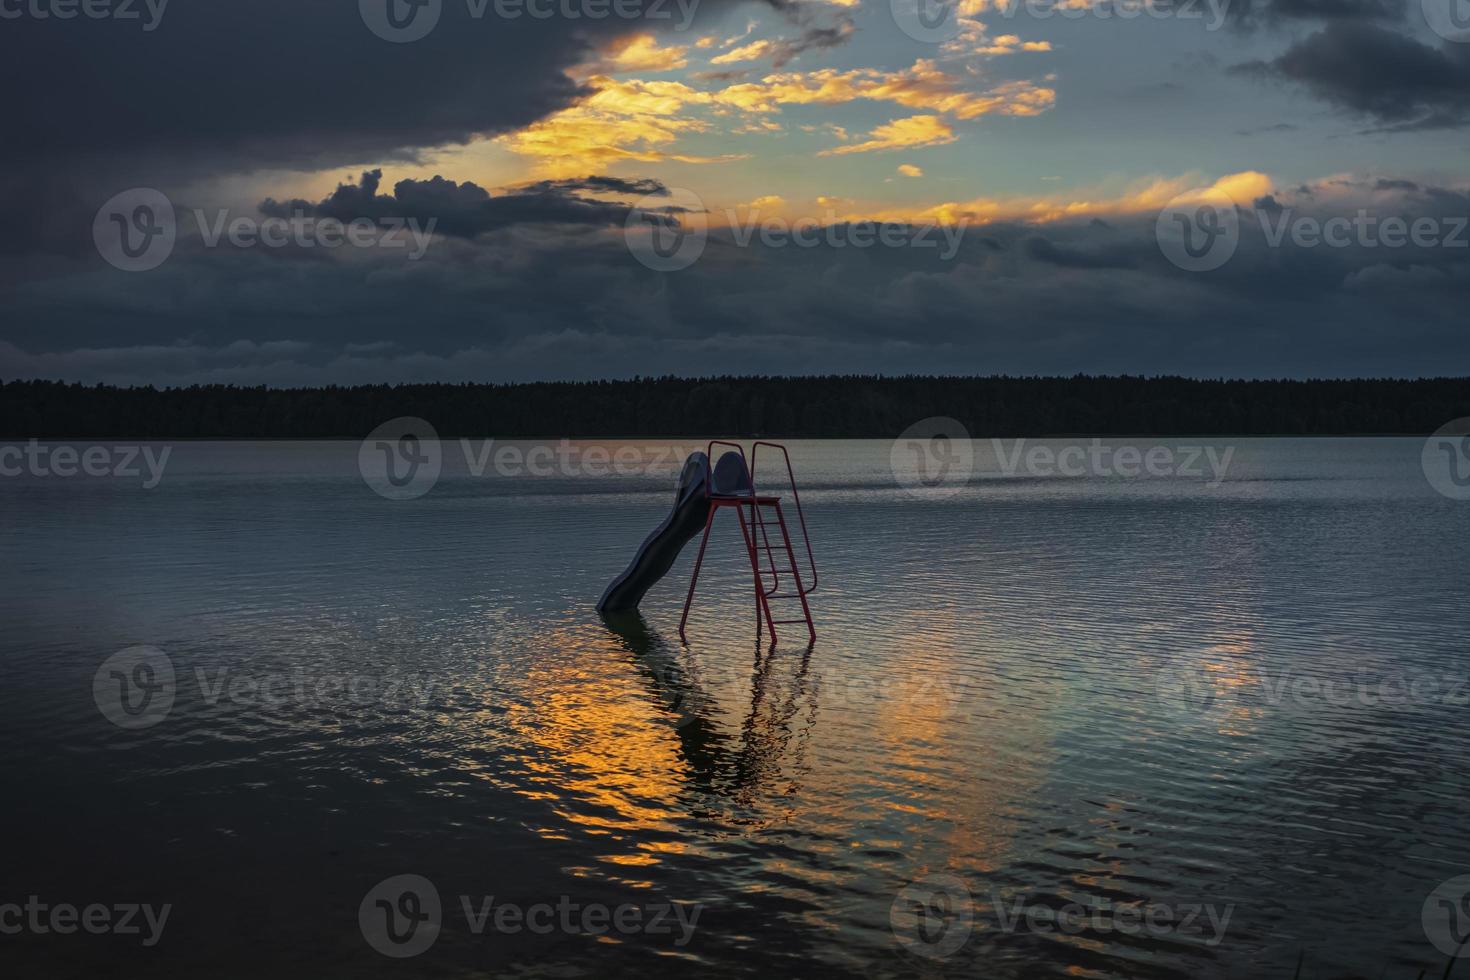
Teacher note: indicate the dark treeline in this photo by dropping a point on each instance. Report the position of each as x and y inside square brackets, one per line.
[831, 406]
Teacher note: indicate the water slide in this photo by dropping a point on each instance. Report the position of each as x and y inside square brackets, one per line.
[659, 550]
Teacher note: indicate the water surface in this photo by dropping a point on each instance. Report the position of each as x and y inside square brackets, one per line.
[1116, 692]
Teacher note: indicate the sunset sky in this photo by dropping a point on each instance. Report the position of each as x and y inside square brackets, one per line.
[1052, 135]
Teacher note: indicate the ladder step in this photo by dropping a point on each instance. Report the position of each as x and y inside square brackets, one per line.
[786, 622]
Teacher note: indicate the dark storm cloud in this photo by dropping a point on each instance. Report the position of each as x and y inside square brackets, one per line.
[217, 89]
[813, 38]
[1383, 75]
[284, 83]
[1068, 256]
[466, 210]
[1258, 13]
[539, 299]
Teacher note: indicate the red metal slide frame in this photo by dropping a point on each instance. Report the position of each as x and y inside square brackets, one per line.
[762, 508]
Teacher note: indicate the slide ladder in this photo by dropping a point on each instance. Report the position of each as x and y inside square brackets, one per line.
[732, 485]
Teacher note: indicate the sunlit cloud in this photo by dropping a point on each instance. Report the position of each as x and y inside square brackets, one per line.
[623, 120]
[909, 170]
[641, 52]
[1147, 195]
[746, 52]
[923, 86]
[900, 133]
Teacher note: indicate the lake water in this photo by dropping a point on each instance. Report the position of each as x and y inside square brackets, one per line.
[1096, 726]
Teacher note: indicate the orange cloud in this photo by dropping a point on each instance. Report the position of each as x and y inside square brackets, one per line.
[1151, 194]
[621, 120]
[746, 52]
[909, 170]
[640, 52]
[922, 86]
[913, 131]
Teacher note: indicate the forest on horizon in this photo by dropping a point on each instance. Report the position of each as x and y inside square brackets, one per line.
[837, 406]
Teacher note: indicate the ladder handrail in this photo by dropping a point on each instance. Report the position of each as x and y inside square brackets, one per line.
[800, 517]
[709, 455]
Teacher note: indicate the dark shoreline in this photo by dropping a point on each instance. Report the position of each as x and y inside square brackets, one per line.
[825, 407]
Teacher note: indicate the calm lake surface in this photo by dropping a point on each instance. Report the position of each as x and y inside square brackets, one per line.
[1129, 696]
